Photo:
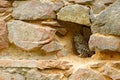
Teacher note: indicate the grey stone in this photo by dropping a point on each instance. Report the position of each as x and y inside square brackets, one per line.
[102, 42]
[8, 76]
[75, 13]
[107, 22]
[32, 10]
[36, 75]
[28, 36]
[111, 72]
[86, 74]
[52, 46]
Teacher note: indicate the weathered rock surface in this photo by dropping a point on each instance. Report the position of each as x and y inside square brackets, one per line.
[8, 76]
[5, 3]
[36, 75]
[114, 74]
[28, 36]
[103, 42]
[108, 21]
[40, 64]
[75, 13]
[52, 46]
[97, 7]
[32, 10]
[86, 74]
[56, 4]
[100, 5]
[3, 35]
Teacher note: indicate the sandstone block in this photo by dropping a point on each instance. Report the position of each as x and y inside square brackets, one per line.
[75, 13]
[28, 36]
[32, 10]
[107, 22]
[8, 76]
[86, 74]
[36, 75]
[40, 64]
[52, 46]
[102, 42]
[112, 73]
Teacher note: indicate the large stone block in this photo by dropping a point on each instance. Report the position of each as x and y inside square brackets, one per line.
[28, 36]
[32, 10]
[111, 72]
[40, 64]
[8, 76]
[102, 42]
[107, 22]
[75, 13]
[37, 75]
[86, 74]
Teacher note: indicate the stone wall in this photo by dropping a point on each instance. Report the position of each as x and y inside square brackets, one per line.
[59, 40]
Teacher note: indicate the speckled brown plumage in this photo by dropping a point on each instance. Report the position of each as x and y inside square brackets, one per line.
[81, 46]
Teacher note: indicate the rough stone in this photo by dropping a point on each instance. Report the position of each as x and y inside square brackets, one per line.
[40, 64]
[32, 10]
[36, 75]
[23, 34]
[102, 42]
[5, 3]
[75, 13]
[3, 35]
[107, 22]
[86, 74]
[97, 7]
[100, 5]
[52, 46]
[112, 73]
[8, 76]
[56, 4]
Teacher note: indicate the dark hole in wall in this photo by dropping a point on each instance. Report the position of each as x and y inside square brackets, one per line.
[80, 35]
